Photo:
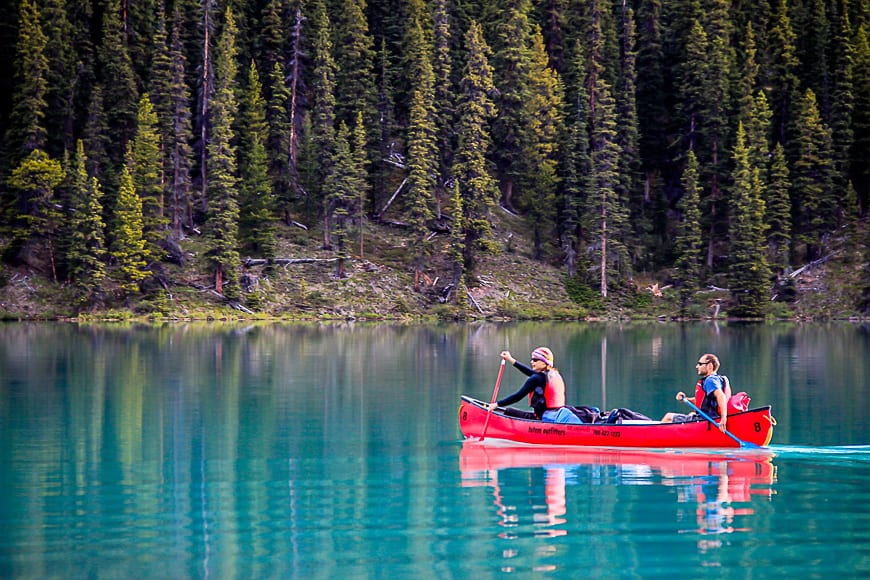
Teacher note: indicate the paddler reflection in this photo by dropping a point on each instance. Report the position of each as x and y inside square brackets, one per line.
[708, 485]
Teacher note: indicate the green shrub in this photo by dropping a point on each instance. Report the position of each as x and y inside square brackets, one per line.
[582, 294]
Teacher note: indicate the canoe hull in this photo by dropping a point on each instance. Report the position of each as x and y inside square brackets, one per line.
[754, 426]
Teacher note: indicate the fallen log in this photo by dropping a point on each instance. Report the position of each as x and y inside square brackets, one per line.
[283, 261]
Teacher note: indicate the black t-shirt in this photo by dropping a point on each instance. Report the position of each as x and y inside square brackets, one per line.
[535, 384]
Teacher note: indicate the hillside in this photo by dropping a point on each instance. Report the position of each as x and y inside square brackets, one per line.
[380, 286]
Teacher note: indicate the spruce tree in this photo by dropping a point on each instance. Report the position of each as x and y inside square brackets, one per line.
[860, 150]
[511, 73]
[97, 139]
[257, 211]
[222, 219]
[842, 109]
[120, 96]
[606, 213]
[637, 238]
[475, 109]
[576, 172]
[749, 272]
[179, 134]
[457, 249]
[813, 198]
[360, 165]
[422, 172]
[322, 107]
[542, 111]
[85, 259]
[129, 247]
[444, 101]
[354, 58]
[782, 75]
[688, 244]
[652, 109]
[758, 127]
[341, 187]
[148, 177]
[280, 149]
[777, 213]
[60, 78]
[27, 130]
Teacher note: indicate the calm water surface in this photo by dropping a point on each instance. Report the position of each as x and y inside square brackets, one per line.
[278, 451]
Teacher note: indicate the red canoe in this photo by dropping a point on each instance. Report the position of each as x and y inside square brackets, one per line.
[754, 426]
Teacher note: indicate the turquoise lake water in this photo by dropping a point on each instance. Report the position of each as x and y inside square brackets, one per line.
[324, 451]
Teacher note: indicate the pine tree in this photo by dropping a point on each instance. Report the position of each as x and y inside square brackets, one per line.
[692, 98]
[606, 213]
[511, 73]
[129, 248]
[27, 131]
[813, 198]
[322, 115]
[688, 244]
[416, 49]
[758, 126]
[457, 249]
[442, 66]
[148, 178]
[272, 36]
[60, 78]
[160, 86]
[576, 169]
[85, 258]
[36, 178]
[782, 75]
[749, 271]
[354, 58]
[179, 134]
[96, 139]
[422, 159]
[280, 149]
[842, 110]
[777, 214]
[860, 150]
[257, 225]
[475, 110]
[542, 112]
[223, 207]
[341, 188]
[652, 110]
[360, 166]
[422, 170]
[120, 97]
[811, 50]
[628, 137]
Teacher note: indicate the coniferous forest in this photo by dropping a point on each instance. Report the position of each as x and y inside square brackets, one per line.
[724, 142]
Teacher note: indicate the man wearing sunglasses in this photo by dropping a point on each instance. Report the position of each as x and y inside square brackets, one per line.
[710, 394]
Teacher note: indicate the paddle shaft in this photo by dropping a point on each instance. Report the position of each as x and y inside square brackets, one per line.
[494, 397]
[709, 418]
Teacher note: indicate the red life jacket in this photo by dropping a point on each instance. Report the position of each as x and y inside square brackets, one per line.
[554, 393]
[737, 403]
[706, 402]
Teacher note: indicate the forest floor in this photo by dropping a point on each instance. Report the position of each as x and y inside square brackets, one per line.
[379, 285]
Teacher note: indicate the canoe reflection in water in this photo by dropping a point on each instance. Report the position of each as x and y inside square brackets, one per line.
[709, 485]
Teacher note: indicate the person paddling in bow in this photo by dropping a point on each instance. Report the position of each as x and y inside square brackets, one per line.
[544, 388]
[710, 394]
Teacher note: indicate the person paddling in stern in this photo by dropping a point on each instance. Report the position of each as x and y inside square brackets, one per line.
[710, 394]
[544, 388]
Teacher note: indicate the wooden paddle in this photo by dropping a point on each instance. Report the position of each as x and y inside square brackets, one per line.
[494, 397]
[715, 424]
